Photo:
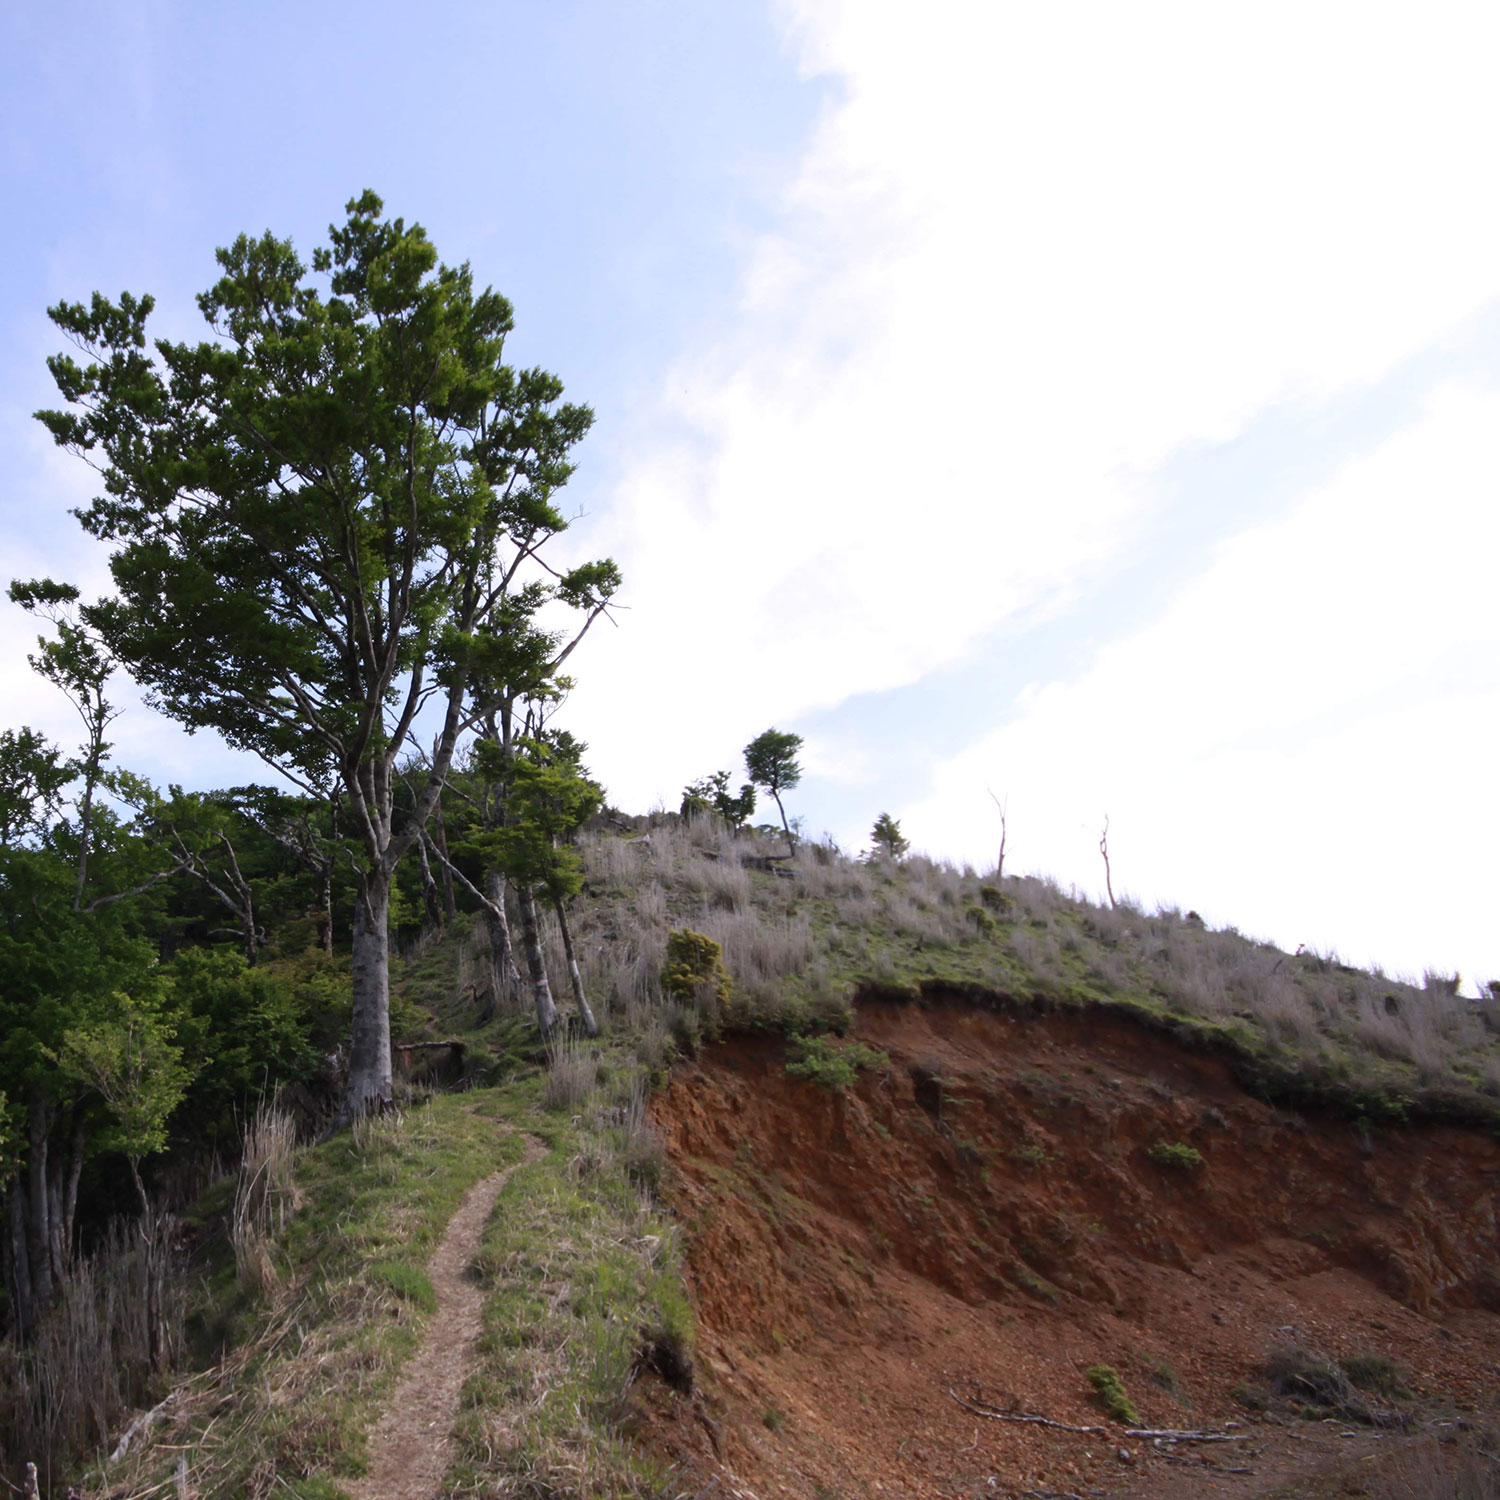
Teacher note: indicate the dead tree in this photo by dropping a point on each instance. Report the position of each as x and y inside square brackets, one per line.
[1000, 807]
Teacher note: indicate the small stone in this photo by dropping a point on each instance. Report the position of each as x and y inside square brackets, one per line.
[1125, 1455]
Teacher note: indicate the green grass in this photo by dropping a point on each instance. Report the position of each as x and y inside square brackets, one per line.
[307, 1368]
[586, 1289]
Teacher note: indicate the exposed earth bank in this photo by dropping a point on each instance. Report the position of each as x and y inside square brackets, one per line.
[982, 1215]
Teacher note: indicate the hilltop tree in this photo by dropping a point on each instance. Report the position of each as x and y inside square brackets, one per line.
[771, 760]
[316, 516]
[712, 795]
[887, 838]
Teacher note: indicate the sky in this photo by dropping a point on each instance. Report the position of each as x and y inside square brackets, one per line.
[1085, 406]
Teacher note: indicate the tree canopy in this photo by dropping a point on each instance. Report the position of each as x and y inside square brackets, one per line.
[326, 521]
[771, 760]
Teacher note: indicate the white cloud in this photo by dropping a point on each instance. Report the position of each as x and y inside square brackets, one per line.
[1303, 742]
[1032, 252]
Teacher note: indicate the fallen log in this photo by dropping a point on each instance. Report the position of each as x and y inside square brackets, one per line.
[983, 1408]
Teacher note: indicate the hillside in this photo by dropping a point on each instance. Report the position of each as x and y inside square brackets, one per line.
[950, 1145]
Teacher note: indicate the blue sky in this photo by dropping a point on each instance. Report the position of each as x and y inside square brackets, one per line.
[1090, 403]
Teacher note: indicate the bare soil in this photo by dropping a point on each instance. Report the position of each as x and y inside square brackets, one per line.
[982, 1215]
[412, 1444]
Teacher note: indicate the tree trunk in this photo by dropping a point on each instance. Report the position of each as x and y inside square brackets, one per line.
[140, 1191]
[38, 1231]
[505, 978]
[546, 1009]
[430, 898]
[575, 977]
[63, 1230]
[369, 1087]
[18, 1264]
[791, 847]
[325, 927]
[440, 838]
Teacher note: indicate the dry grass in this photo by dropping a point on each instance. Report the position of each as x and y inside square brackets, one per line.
[265, 1196]
[800, 942]
[572, 1072]
[112, 1332]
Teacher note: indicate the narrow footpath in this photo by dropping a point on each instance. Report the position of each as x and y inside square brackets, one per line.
[412, 1444]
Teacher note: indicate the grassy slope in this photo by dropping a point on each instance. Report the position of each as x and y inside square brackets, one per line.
[1301, 1025]
[582, 1269]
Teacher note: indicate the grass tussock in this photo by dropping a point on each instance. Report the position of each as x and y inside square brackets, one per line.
[105, 1345]
[265, 1196]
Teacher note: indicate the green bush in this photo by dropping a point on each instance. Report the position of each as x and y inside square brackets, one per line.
[694, 968]
[1106, 1380]
[832, 1064]
[1177, 1155]
[994, 899]
[982, 921]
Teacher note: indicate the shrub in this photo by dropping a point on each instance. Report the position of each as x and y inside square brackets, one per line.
[694, 968]
[832, 1064]
[1177, 1155]
[982, 921]
[1377, 1373]
[1106, 1380]
[994, 899]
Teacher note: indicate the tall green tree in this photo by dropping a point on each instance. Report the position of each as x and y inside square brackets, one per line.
[771, 760]
[316, 515]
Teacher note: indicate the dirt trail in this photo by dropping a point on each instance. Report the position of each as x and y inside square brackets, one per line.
[412, 1444]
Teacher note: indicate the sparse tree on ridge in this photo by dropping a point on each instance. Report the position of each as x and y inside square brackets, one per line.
[771, 760]
[315, 516]
[712, 794]
[888, 840]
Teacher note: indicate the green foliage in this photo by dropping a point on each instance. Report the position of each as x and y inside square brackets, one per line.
[712, 795]
[771, 760]
[992, 898]
[1105, 1379]
[548, 796]
[128, 1056]
[32, 777]
[1177, 1155]
[830, 1063]
[247, 1031]
[982, 921]
[695, 968]
[888, 840]
[316, 519]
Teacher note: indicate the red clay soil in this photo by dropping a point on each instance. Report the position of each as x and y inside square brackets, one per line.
[982, 1216]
